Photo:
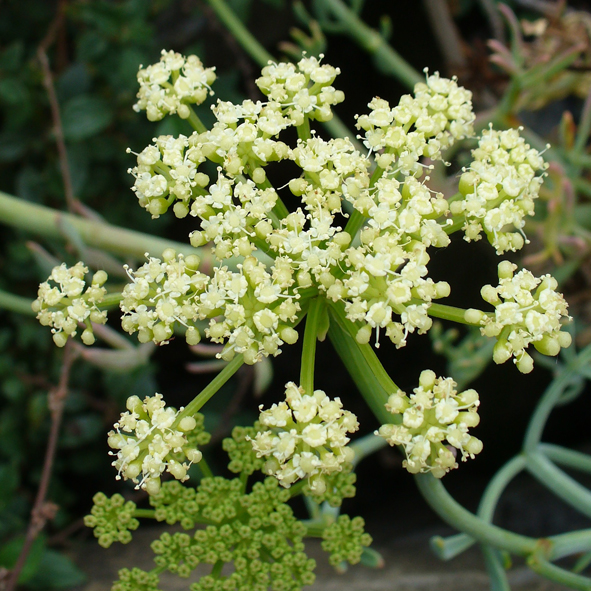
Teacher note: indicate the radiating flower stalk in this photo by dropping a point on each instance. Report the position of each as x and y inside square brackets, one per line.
[278, 268]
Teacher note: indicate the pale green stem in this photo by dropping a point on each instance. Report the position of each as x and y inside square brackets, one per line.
[561, 484]
[365, 446]
[197, 403]
[205, 469]
[309, 345]
[566, 457]
[455, 515]
[48, 223]
[550, 398]
[454, 545]
[14, 303]
[495, 569]
[390, 62]
[564, 577]
[195, 122]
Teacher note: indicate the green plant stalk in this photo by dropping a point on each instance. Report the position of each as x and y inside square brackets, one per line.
[566, 457]
[209, 390]
[562, 485]
[564, 577]
[390, 62]
[451, 547]
[365, 446]
[14, 303]
[568, 544]
[195, 122]
[144, 513]
[309, 345]
[495, 569]
[448, 312]
[48, 222]
[361, 368]
[455, 515]
[549, 400]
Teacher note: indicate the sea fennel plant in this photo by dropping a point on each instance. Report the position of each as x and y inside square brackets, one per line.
[350, 261]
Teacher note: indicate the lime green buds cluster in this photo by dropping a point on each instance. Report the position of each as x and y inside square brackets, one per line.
[345, 540]
[339, 486]
[305, 437]
[111, 519]
[136, 580]
[63, 303]
[528, 310]
[172, 84]
[499, 189]
[151, 438]
[303, 89]
[434, 418]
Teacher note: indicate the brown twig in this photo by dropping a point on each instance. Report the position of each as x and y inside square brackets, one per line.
[44, 510]
[48, 40]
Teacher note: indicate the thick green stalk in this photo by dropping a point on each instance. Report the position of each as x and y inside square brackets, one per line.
[389, 61]
[566, 457]
[309, 345]
[14, 303]
[48, 223]
[447, 312]
[560, 575]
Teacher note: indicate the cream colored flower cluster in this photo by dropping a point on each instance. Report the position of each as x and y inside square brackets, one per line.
[150, 440]
[252, 311]
[386, 284]
[172, 84]
[435, 418]
[63, 303]
[305, 437]
[422, 125]
[499, 189]
[303, 89]
[528, 310]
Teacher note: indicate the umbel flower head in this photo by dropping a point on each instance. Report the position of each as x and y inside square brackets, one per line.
[172, 84]
[435, 418]
[305, 437]
[151, 439]
[528, 310]
[499, 188]
[63, 303]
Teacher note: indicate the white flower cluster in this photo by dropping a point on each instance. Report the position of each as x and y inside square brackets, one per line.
[303, 89]
[257, 309]
[422, 125]
[528, 310]
[499, 189]
[62, 302]
[150, 440]
[434, 418]
[305, 437]
[172, 84]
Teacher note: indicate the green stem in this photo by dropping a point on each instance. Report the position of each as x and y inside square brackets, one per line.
[455, 515]
[205, 469]
[48, 223]
[14, 303]
[495, 569]
[365, 446]
[447, 312]
[209, 390]
[309, 345]
[304, 129]
[362, 363]
[566, 457]
[550, 398]
[354, 223]
[568, 544]
[562, 485]
[144, 514]
[110, 301]
[195, 122]
[216, 571]
[564, 577]
[388, 60]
